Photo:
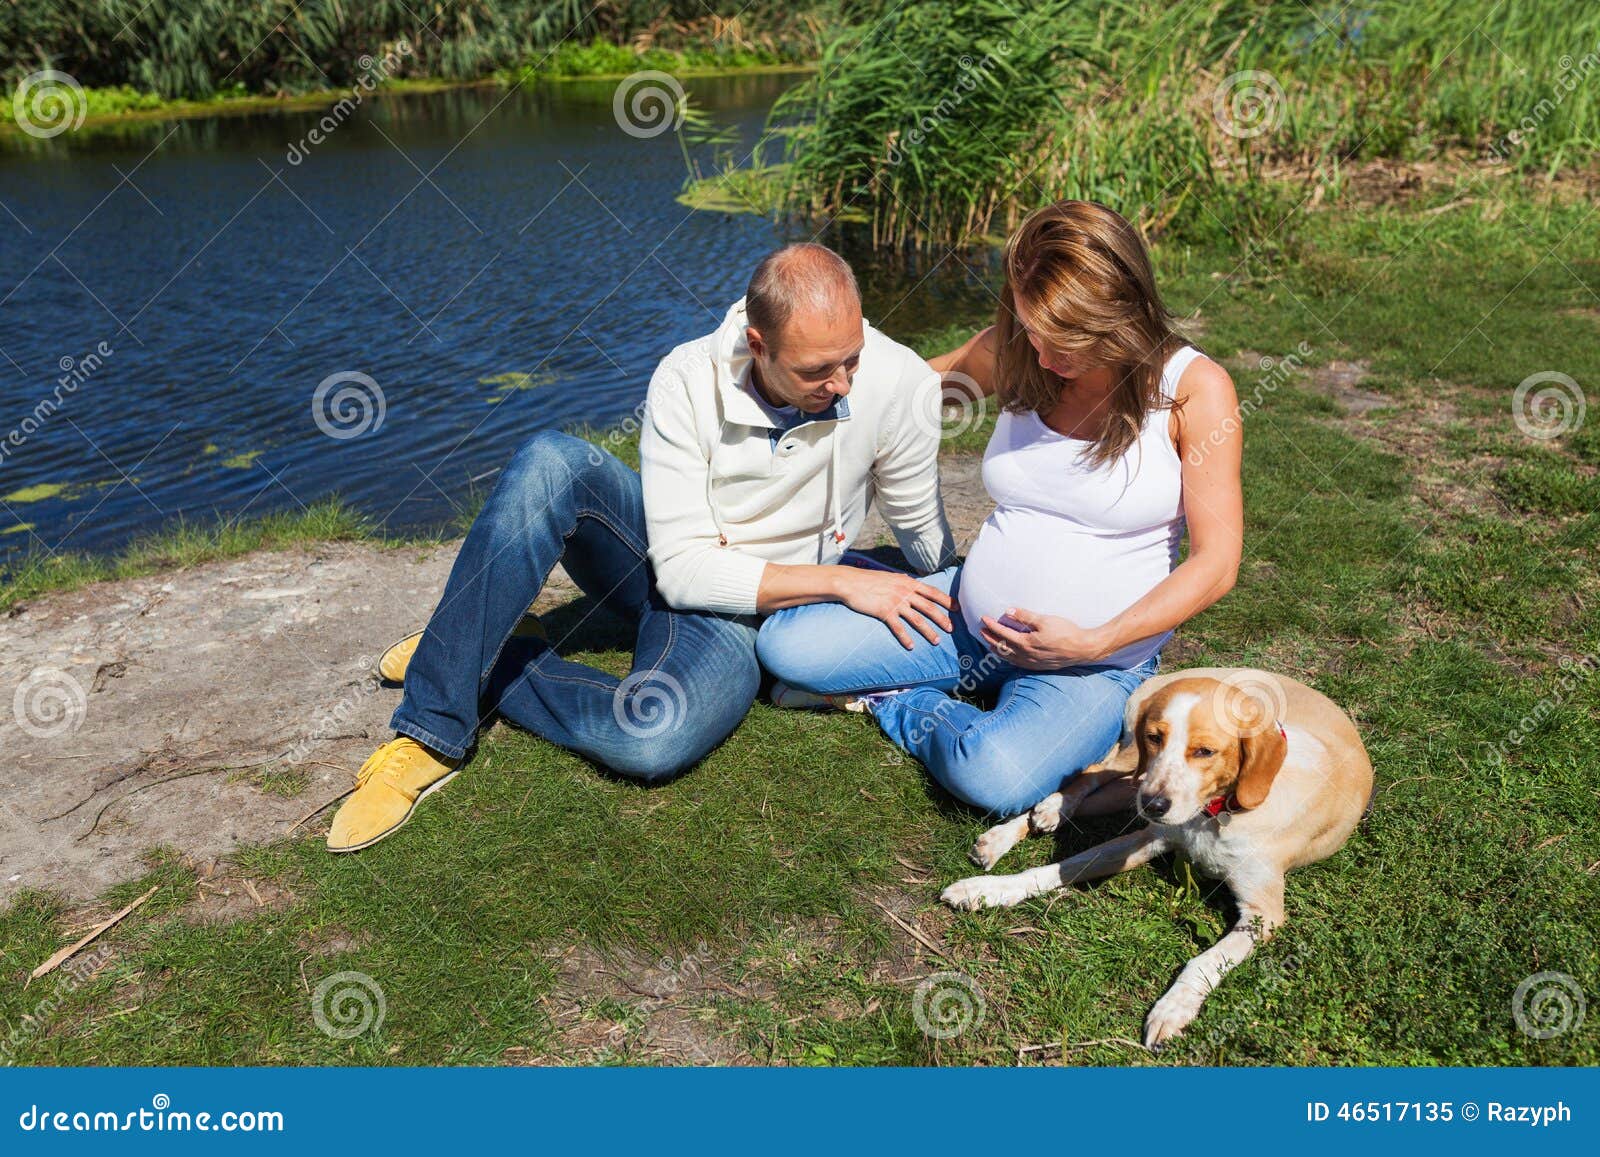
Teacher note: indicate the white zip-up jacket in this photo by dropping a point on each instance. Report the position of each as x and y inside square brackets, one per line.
[726, 490]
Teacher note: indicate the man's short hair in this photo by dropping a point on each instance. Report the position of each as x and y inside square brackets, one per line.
[800, 276]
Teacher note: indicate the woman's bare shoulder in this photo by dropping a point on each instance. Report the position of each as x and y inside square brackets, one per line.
[1203, 381]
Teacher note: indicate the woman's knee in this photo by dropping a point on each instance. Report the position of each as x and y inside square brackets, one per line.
[994, 777]
[793, 646]
[777, 645]
[650, 764]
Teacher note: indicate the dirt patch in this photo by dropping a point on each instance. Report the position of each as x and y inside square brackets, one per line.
[223, 896]
[1415, 428]
[332, 941]
[1341, 382]
[621, 1006]
[199, 710]
[966, 503]
[1447, 481]
[1386, 182]
[217, 706]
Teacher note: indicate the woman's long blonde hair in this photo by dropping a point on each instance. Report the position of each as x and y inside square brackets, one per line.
[1086, 277]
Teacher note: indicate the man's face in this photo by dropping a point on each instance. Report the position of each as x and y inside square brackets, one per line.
[812, 361]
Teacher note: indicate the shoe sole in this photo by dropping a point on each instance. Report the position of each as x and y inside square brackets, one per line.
[426, 792]
[383, 659]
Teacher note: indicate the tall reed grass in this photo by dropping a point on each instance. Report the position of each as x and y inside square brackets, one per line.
[944, 122]
[193, 48]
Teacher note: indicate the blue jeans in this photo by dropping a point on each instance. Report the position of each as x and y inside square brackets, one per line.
[1044, 728]
[565, 500]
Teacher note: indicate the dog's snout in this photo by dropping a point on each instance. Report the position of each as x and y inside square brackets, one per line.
[1154, 806]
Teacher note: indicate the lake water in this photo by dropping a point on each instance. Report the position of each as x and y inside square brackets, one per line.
[470, 266]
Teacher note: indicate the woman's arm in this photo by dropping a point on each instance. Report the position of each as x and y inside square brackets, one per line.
[970, 366]
[1210, 446]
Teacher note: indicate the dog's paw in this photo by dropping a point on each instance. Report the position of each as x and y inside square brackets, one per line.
[1171, 1015]
[984, 892]
[997, 841]
[1046, 814]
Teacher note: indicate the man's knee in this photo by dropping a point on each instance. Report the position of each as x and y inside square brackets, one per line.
[663, 731]
[651, 765]
[553, 457]
[652, 759]
[802, 648]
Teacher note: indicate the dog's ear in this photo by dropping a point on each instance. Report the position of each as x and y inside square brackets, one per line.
[1128, 755]
[1260, 759]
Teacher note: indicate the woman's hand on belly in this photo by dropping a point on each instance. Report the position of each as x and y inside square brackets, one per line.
[1047, 642]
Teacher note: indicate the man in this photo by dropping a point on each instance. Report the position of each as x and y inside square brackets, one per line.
[764, 444]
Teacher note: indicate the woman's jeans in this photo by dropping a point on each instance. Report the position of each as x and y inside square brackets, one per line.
[565, 500]
[1043, 729]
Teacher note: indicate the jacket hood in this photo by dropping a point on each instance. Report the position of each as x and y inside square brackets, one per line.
[730, 349]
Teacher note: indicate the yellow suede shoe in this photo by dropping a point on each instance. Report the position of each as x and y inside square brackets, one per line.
[392, 663]
[389, 786]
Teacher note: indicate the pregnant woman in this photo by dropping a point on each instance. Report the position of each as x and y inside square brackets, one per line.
[1114, 437]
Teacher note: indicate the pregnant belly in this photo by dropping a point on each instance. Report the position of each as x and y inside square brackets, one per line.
[1036, 563]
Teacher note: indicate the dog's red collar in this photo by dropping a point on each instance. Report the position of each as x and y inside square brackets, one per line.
[1230, 803]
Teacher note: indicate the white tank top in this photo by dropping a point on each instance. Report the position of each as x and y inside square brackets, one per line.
[1065, 540]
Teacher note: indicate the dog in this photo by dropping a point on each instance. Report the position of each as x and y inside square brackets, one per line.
[1246, 773]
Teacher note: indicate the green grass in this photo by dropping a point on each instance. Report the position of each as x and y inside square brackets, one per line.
[1432, 570]
[26, 574]
[602, 59]
[196, 49]
[941, 124]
